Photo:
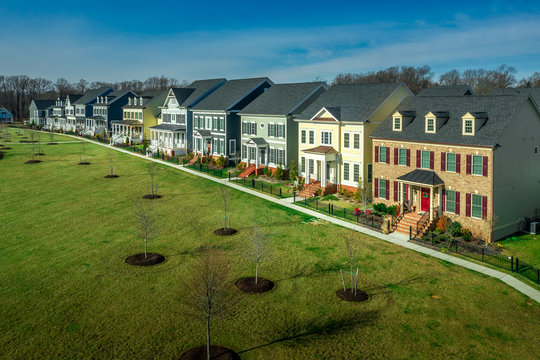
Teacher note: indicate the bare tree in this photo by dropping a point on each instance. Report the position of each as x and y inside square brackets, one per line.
[152, 170]
[81, 86]
[490, 223]
[531, 81]
[51, 138]
[83, 153]
[224, 193]
[208, 291]
[351, 245]
[259, 248]
[112, 168]
[361, 194]
[63, 87]
[145, 223]
[450, 78]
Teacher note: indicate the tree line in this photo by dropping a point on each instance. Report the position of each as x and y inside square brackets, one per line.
[18, 91]
[482, 81]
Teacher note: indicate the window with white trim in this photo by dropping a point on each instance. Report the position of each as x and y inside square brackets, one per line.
[451, 162]
[382, 188]
[397, 124]
[356, 173]
[369, 173]
[430, 125]
[303, 164]
[232, 146]
[346, 140]
[356, 143]
[346, 171]
[476, 206]
[425, 159]
[402, 157]
[450, 202]
[468, 127]
[311, 166]
[303, 136]
[382, 154]
[477, 165]
[326, 137]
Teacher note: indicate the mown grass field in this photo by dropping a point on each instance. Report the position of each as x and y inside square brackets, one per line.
[526, 247]
[66, 292]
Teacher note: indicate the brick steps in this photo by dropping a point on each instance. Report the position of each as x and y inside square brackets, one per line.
[411, 220]
[310, 189]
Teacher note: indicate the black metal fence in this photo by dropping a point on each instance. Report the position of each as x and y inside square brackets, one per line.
[269, 188]
[219, 173]
[361, 218]
[479, 253]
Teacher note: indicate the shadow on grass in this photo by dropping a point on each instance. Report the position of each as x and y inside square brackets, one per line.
[309, 271]
[387, 288]
[302, 332]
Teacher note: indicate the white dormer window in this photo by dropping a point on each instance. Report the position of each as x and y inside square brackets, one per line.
[430, 125]
[397, 123]
[468, 124]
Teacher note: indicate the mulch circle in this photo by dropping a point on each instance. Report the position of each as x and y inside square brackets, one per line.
[225, 232]
[84, 163]
[110, 176]
[151, 197]
[33, 161]
[248, 285]
[349, 295]
[39, 154]
[140, 260]
[6, 148]
[52, 143]
[216, 353]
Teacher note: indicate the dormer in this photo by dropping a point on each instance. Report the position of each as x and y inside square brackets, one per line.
[434, 121]
[129, 101]
[472, 122]
[140, 101]
[400, 119]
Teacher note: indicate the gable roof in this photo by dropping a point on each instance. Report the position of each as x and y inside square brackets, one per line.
[281, 99]
[4, 111]
[202, 89]
[420, 176]
[115, 95]
[181, 94]
[230, 93]
[43, 104]
[500, 110]
[91, 95]
[356, 102]
[456, 90]
[534, 93]
[73, 98]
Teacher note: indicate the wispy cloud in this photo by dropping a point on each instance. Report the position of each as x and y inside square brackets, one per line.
[76, 48]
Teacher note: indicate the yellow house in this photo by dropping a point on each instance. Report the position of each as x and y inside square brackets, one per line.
[138, 116]
[333, 134]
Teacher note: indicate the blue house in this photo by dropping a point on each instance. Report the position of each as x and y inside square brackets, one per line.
[5, 116]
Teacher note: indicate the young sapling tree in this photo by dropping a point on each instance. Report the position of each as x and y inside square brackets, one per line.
[258, 249]
[351, 246]
[145, 223]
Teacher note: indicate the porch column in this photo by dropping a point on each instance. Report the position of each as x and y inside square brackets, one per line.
[400, 184]
[257, 157]
[323, 173]
[431, 203]
[439, 213]
[336, 180]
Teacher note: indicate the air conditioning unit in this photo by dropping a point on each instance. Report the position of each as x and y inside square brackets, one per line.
[535, 227]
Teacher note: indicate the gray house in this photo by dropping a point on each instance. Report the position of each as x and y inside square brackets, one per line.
[40, 110]
[216, 123]
[173, 135]
[269, 133]
[106, 109]
[82, 109]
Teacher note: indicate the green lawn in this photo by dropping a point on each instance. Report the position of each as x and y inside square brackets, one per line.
[267, 187]
[67, 293]
[526, 247]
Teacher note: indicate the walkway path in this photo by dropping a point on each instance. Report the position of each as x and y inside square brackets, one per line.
[395, 238]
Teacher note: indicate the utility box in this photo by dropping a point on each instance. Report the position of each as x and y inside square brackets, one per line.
[535, 227]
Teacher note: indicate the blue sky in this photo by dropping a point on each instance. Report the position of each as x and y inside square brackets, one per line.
[285, 40]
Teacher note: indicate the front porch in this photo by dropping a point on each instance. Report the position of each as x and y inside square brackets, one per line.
[321, 170]
[169, 138]
[130, 129]
[257, 152]
[202, 139]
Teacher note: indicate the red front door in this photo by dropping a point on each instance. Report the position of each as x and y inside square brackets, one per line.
[425, 199]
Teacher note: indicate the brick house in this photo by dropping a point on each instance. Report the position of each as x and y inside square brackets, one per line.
[473, 158]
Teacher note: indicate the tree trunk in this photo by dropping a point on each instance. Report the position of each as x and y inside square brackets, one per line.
[352, 278]
[145, 248]
[256, 272]
[208, 338]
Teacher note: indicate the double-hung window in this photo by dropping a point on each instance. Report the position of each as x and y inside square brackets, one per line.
[311, 137]
[253, 128]
[382, 154]
[346, 140]
[303, 164]
[477, 165]
[450, 204]
[326, 137]
[403, 157]
[346, 171]
[356, 141]
[382, 188]
[451, 162]
[476, 206]
[426, 157]
[468, 127]
[311, 166]
[303, 136]
[356, 173]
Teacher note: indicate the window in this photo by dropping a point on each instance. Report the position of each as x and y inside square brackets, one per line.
[346, 171]
[281, 131]
[208, 124]
[430, 125]
[271, 130]
[346, 140]
[356, 173]
[425, 164]
[311, 137]
[311, 166]
[382, 154]
[382, 188]
[397, 123]
[303, 164]
[356, 141]
[214, 125]
[252, 153]
[477, 165]
[369, 173]
[476, 206]
[450, 203]
[232, 146]
[402, 157]
[326, 137]
[303, 136]
[244, 151]
[451, 162]
[468, 127]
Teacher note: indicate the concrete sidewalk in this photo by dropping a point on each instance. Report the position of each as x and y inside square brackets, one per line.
[394, 238]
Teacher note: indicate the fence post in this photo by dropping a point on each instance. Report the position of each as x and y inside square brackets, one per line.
[229, 176]
[305, 201]
[517, 265]
[293, 194]
[482, 254]
[253, 183]
[512, 263]
[410, 232]
[280, 193]
[329, 210]
[358, 216]
[317, 203]
[271, 190]
[372, 221]
[538, 276]
[262, 186]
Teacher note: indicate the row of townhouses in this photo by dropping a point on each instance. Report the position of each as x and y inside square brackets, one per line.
[445, 151]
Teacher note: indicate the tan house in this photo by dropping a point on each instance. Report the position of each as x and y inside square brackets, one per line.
[475, 159]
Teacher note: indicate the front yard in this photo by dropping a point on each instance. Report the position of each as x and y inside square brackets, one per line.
[524, 246]
[67, 292]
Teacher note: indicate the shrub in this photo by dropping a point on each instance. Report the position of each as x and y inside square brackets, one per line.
[240, 166]
[278, 173]
[454, 229]
[345, 192]
[438, 231]
[330, 197]
[443, 223]
[293, 172]
[466, 234]
[391, 210]
[267, 171]
[380, 208]
[319, 191]
[221, 161]
[127, 140]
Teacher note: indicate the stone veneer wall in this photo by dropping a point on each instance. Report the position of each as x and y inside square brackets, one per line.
[462, 182]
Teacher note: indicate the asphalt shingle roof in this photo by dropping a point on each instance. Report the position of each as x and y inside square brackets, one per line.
[500, 110]
[229, 94]
[258, 141]
[419, 176]
[201, 87]
[44, 104]
[169, 127]
[534, 93]
[91, 95]
[281, 99]
[321, 149]
[457, 90]
[181, 94]
[356, 102]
